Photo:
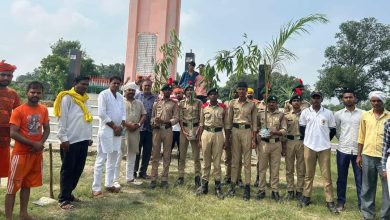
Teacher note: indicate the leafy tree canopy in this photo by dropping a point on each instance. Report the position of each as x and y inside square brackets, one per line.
[360, 60]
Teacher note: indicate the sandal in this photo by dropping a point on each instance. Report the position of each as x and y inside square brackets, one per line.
[66, 205]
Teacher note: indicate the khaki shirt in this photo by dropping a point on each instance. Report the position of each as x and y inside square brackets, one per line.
[134, 110]
[292, 123]
[275, 121]
[212, 115]
[165, 110]
[288, 107]
[242, 113]
[189, 112]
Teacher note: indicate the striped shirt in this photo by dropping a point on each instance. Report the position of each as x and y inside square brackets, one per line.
[386, 145]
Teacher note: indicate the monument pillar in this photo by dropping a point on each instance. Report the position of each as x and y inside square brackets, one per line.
[149, 27]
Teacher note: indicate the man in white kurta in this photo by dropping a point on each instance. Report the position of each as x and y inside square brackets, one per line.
[111, 113]
[135, 117]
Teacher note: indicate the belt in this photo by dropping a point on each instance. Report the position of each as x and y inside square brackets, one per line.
[164, 127]
[241, 126]
[211, 129]
[270, 140]
[194, 124]
[294, 137]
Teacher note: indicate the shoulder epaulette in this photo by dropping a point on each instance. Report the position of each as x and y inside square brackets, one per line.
[222, 105]
[205, 105]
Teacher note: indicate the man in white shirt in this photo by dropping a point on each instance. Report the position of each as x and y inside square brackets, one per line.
[75, 134]
[317, 125]
[111, 112]
[347, 126]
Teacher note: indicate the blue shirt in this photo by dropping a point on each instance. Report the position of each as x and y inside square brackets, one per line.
[148, 102]
[185, 78]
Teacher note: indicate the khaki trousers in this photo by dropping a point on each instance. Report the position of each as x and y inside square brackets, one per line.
[212, 146]
[183, 155]
[161, 136]
[323, 158]
[295, 159]
[269, 155]
[228, 162]
[241, 148]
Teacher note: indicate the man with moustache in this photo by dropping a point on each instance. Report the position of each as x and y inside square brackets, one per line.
[370, 146]
[9, 101]
[75, 134]
[145, 142]
[347, 120]
[29, 127]
[111, 112]
[318, 126]
[165, 114]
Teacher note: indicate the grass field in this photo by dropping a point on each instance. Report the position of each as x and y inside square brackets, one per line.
[139, 202]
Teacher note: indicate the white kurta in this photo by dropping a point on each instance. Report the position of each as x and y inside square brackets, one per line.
[109, 109]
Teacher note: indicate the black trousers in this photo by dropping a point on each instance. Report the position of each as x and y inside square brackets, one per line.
[72, 167]
[145, 148]
[176, 139]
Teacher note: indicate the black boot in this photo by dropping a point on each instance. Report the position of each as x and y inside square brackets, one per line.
[275, 196]
[153, 184]
[332, 208]
[179, 181]
[305, 201]
[164, 184]
[227, 180]
[232, 191]
[298, 195]
[197, 181]
[260, 195]
[203, 189]
[290, 195]
[256, 184]
[240, 183]
[247, 192]
[218, 191]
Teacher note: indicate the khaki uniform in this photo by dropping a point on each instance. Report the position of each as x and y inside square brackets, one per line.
[294, 153]
[288, 107]
[242, 121]
[189, 114]
[165, 110]
[270, 150]
[212, 122]
[228, 157]
[134, 111]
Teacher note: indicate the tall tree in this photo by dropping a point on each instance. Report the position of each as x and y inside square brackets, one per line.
[360, 60]
[55, 67]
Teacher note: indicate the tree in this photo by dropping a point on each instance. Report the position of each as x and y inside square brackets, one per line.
[360, 60]
[107, 71]
[55, 67]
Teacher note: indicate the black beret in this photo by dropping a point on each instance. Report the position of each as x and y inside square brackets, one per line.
[166, 87]
[242, 85]
[295, 97]
[272, 98]
[212, 90]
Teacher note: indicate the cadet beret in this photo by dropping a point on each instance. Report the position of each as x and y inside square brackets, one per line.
[242, 85]
[295, 97]
[272, 98]
[188, 86]
[316, 93]
[212, 90]
[166, 87]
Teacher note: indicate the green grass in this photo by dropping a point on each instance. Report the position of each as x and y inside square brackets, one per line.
[139, 202]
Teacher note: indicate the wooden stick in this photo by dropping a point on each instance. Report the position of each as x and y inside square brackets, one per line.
[51, 170]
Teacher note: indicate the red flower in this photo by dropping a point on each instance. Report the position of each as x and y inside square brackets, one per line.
[170, 81]
[190, 82]
[300, 81]
[298, 91]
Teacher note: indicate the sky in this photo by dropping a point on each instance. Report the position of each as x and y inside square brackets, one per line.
[29, 27]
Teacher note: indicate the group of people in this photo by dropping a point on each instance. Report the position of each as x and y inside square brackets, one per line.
[139, 123]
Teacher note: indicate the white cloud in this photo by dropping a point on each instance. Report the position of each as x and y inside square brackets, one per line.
[114, 7]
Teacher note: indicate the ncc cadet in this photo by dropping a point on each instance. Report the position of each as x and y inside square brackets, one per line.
[270, 148]
[228, 153]
[294, 150]
[189, 115]
[164, 114]
[212, 121]
[241, 125]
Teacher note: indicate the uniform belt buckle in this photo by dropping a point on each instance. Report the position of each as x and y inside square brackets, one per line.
[272, 141]
[162, 127]
[241, 126]
[297, 138]
[212, 129]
